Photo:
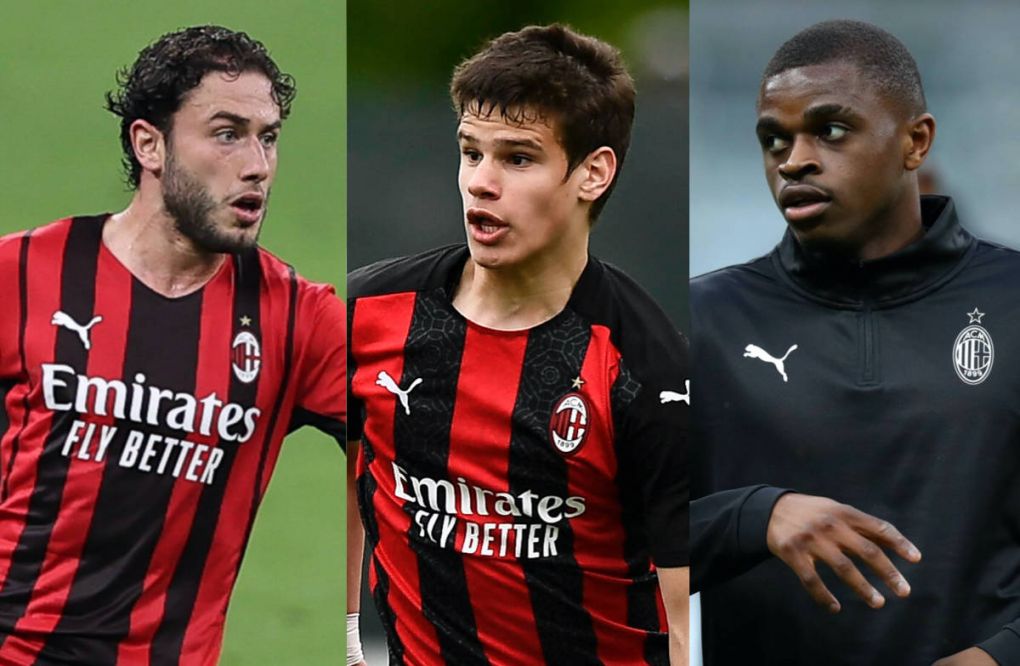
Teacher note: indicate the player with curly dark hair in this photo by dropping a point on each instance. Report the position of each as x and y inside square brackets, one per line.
[151, 363]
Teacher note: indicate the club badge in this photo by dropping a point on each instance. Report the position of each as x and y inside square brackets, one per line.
[246, 356]
[973, 352]
[569, 423]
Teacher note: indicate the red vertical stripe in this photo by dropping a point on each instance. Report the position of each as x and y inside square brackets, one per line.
[203, 637]
[44, 250]
[212, 374]
[379, 324]
[598, 532]
[479, 447]
[84, 476]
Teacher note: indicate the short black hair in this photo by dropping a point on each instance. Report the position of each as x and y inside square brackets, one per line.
[881, 57]
[577, 82]
[154, 87]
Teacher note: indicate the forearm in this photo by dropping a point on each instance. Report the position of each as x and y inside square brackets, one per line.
[728, 533]
[355, 533]
[675, 584]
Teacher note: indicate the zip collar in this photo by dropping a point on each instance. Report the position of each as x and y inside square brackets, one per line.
[905, 275]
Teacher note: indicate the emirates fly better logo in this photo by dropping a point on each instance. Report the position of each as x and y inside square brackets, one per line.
[973, 352]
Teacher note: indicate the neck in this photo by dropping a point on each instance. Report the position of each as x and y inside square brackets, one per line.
[517, 298]
[144, 238]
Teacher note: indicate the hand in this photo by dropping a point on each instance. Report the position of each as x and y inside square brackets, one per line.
[970, 657]
[804, 529]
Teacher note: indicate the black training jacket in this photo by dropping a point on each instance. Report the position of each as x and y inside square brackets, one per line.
[892, 385]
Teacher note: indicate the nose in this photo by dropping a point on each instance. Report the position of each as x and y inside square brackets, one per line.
[483, 180]
[801, 161]
[257, 162]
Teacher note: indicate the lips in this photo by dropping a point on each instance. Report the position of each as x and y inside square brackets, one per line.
[485, 226]
[248, 207]
[801, 202]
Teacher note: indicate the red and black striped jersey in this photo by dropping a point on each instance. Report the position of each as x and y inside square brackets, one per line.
[517, 486]
[139, 433]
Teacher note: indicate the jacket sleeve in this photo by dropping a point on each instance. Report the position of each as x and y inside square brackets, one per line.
[1005, 645]
[728, 531]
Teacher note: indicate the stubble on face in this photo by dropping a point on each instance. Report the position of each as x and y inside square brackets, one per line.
[188, 202]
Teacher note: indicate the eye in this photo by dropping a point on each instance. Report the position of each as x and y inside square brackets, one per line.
[269, 140]
[520, 160]
[833, 132]
[227, 135]
[471, 156]
[773, 144]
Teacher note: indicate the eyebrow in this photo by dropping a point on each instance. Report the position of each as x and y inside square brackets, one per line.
[823, 111]
[812, 114]
[501, 143]
[242, 121]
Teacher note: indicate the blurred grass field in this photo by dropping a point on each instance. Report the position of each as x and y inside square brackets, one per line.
[61, 157]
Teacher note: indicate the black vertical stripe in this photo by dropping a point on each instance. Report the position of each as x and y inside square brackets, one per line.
[381, 595]
[553, 357]
[183, 589]
[432, 352]
[277, 407]
[22, 325]
[643, 589]
[130, 508]
[77, 284]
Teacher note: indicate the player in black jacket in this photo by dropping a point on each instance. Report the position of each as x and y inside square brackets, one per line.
[858, 361]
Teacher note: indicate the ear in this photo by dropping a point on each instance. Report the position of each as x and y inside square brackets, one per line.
[149, 145]
[597, 173]
[917, 143]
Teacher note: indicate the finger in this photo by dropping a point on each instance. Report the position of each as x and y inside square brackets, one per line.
[868, 552]
[883, 533]
[848, 572]
[804, 568]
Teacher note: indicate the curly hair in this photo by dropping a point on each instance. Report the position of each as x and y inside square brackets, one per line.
[551, 72]
[154, 87]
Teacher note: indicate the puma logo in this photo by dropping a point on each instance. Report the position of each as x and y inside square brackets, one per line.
[673, 396]
[61, 318]
[384, 380]
[754, 351]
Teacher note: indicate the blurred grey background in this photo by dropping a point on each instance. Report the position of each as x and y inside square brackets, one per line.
[403, 156]
[967, 54]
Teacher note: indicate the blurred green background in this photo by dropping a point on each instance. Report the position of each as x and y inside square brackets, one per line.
[61, 157]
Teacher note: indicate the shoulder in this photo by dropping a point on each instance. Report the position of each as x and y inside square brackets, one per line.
[47, 242]
[419, 272]
[647, 340]
[718, 284]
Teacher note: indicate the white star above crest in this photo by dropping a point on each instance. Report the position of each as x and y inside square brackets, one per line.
[975, 317]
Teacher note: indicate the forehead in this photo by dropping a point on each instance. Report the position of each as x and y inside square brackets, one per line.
[838, 83]
[248, 95]
[525, 126]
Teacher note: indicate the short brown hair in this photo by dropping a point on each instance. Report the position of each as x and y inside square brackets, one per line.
[577, 82]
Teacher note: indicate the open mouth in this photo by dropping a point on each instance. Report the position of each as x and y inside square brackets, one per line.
[485, 220]
[248, 207]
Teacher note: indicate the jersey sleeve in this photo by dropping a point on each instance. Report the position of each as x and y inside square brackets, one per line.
[321, 399]
[354, 408]
[654, 458]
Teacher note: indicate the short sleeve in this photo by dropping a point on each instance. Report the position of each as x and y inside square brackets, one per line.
[321, 399]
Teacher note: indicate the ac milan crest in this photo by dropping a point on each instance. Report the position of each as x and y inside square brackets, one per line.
[246, 356]
[569, 423]
[973, 352]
